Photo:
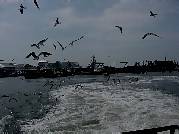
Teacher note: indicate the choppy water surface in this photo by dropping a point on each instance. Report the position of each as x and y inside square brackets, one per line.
[121, 104]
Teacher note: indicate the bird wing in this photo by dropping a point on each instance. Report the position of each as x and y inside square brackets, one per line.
[38, 46]
[28, 55]
[45, 39]
[54, 46]
[34, 55]
[81, 37]
[55, 24]
[154, 34]
[42, 41]
[145, 35]
[21, 10]
[44, 54]
[60, 44]
[48, 53]
[41, 53]
[120, 29]
[35, 2]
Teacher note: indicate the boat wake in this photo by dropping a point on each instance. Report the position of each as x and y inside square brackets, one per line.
[100, 107]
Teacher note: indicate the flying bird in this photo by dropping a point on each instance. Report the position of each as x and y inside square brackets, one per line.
[57, 22]
[55, 46]
[33, 55]
[120, 28]
[147, 34]
[21, 9]
[45, 54]
[153, 14]
[42, 42]
[35, 45]
[61, 45]
[36, 4]
[78, 85]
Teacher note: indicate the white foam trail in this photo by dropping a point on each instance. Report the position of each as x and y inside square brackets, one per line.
[99, 108]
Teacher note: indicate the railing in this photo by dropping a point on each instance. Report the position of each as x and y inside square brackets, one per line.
[172, 129]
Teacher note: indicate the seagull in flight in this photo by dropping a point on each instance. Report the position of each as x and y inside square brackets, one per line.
[148, 34]
[55, 46]
[36, 4]
[61, 45]
[153, 14]
[120, 28]
[21, 9]
[42, 42]
[57, 22]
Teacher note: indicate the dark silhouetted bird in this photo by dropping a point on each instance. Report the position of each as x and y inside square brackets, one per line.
[55, 46]
[35, 45]
[120, 28]
[45, 54]
[61, 45]
[153, 14]
[21, 9]
[147, 34]
[42, 42]
[36, 4]
[33, 55]
[57, 22]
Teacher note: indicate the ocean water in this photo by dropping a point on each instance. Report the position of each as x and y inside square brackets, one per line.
[125, 102]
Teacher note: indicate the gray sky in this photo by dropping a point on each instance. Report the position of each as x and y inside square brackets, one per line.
[96, 20]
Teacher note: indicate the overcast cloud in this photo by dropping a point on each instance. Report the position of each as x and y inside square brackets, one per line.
[96, 20]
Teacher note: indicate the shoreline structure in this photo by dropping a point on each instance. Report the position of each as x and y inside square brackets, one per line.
[61, 69]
